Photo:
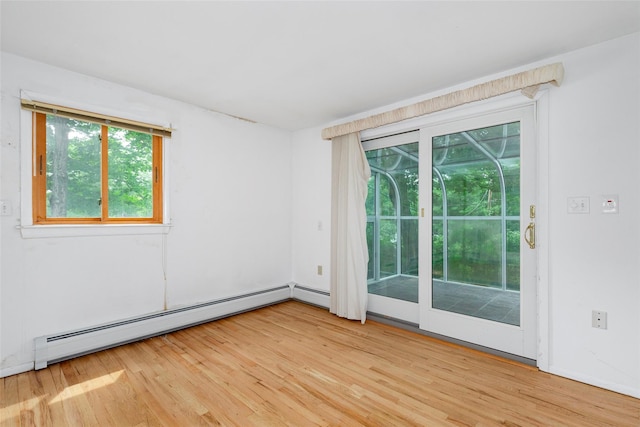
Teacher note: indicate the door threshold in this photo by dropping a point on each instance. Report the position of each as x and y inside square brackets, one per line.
[414, 327]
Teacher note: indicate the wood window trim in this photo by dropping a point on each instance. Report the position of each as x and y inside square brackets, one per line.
[39, 180]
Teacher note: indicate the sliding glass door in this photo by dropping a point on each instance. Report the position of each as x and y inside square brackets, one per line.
[481, 206]
[451, 229]
[392, 226]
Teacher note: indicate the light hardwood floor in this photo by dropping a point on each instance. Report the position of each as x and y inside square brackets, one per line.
[297, 365]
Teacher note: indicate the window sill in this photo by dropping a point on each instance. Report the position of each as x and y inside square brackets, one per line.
[46, 231]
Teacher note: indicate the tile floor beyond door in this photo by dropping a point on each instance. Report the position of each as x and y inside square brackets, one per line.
[477, 301]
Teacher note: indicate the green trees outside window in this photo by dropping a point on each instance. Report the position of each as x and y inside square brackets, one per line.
[476, 208]
[392, 212]
[88, 172]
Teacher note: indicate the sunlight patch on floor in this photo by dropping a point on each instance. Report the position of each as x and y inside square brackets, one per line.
[86, 386]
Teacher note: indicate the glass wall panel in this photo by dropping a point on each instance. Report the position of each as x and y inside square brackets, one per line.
[372, 253]
[392, 222]
[370, 203]
[409, 249]
[388, 248]
[387, 196]
[437, 249]
[437, 199]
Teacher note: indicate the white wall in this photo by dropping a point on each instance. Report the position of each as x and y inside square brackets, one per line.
[594, 150]
[593, 263]
[230, 209]
[311, 220]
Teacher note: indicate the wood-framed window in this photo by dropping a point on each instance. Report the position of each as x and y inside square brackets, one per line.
[92, 170]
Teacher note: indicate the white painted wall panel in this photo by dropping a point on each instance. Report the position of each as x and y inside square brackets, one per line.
[311, 209]
[594, 148]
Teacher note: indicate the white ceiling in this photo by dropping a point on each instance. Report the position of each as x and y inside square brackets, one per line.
[300, 64]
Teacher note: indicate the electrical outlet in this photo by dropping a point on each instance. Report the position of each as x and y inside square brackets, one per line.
[610, 204]
[319, 270]
[599, 319]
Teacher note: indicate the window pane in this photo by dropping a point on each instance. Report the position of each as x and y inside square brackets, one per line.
[472, 189]
[388, 251]
[130, 174]
[73, 168]
[511, 172]
[407, 182]
[409, 249]
[437, 248]
[372, 254]
[392, 228]
[436, 196]
[454, 148]
[474, 252]
[513, 255]
[502, 141]
[387, 197]
[370, 204]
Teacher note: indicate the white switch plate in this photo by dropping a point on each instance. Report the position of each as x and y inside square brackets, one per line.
[578, 205]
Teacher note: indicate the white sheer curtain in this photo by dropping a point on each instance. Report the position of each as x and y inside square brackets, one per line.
[349, 253]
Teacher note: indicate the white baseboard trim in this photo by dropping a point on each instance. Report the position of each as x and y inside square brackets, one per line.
[15, 370]
[310, 295]
[618, 388]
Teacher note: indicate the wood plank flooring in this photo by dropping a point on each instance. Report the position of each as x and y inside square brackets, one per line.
[297, 365]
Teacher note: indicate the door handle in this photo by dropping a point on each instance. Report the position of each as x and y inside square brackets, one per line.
[530, 235]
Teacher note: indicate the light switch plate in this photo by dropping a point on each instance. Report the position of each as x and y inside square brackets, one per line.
[578, 205]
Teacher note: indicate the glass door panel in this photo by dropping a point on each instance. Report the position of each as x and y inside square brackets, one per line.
[481, 184]
[470, 209]
[392, 222]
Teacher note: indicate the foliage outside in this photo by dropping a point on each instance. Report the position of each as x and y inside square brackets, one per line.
[473, 210]
[74, 171]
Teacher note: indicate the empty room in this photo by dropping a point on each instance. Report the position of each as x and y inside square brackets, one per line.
[320, 213]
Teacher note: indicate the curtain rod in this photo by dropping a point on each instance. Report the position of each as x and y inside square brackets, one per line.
[527, 81]
[73, 113]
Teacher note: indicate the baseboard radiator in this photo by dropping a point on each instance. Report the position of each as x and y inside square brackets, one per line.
[310, 296]
[56, 348]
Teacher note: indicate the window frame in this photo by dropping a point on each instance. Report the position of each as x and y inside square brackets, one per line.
[39, 180]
